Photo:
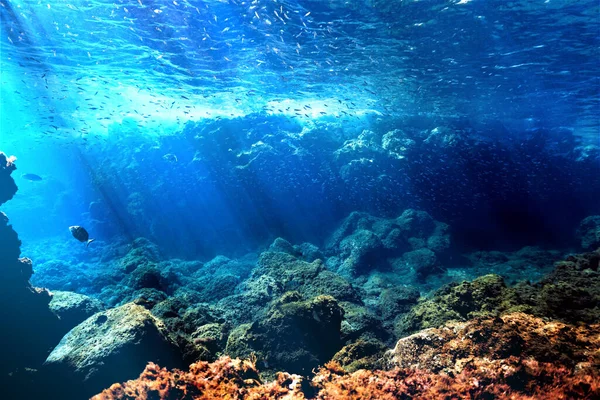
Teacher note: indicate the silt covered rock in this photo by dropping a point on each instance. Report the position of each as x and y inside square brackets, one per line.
[109, 346]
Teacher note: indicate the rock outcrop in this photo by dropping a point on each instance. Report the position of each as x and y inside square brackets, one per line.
[514, 357]
[73, 308]
[589, 232]
[296, 335]
[30, 329]
[108, 346]
[411, 244]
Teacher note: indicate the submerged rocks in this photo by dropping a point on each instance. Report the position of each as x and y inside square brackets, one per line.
[487, 295]
[296, 335]
[570, 293]
[414, 241]
[589, 232]
[110, 346]
[513, 357]
[30, 329]
[453, 346]
[8, 188]
[223, 379]
[73, 308]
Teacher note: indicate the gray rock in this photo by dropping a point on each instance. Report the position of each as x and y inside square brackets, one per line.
[73, 308]
[589, 232]
[110, 346]
[283, 246]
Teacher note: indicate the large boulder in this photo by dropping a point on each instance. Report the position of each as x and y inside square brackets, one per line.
[296, 335]
[110, 346]
[73, 308]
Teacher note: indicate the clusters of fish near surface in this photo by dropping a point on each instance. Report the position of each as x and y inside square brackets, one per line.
[299, 25]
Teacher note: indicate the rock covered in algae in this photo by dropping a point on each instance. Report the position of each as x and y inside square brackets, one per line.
[486, 295]
[296, 335]
[514, 357]
[365, 243]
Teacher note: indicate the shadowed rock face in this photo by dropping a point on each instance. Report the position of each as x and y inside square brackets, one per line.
[34, 329]
[8, 188]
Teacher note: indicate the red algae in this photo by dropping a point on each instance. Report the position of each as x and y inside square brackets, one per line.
[512, 357]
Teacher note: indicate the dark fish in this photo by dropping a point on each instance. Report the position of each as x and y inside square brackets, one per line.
[31, 177]
[81, 234]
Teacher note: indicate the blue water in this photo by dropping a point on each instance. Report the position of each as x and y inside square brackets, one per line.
[234, 160]
[213, 127]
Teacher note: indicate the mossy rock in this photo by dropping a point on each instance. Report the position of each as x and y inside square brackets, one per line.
[296, 335]
[485, 296]
[361, 354]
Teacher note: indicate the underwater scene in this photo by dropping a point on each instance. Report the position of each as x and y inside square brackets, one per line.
[300, 199]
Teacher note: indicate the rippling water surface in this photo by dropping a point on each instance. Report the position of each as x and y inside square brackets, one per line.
[522, 62]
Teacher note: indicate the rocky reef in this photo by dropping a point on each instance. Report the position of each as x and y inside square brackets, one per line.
[516, 356]
[383, 308]
[478, 339]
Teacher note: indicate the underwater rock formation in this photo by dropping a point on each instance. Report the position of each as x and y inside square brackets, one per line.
[8, 187]
[455, 345]
[30, 329]
[410, 244]
[73, 308]
[223, 379]
[570, 293]
[589, 232]
[514, 357]
[530, 261]
[108, 346]
[296, 335]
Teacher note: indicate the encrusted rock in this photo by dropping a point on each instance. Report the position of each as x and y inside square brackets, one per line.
[295, 336]
[110, 346]
[73, 308]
